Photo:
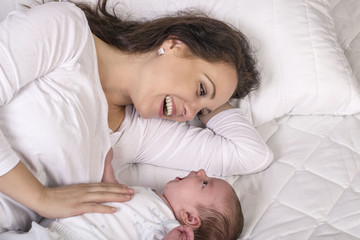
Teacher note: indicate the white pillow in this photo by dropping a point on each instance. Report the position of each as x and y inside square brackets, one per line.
[303, 68]
[346, 14]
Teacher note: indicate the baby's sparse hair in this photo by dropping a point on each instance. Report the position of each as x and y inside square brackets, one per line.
[216, 225]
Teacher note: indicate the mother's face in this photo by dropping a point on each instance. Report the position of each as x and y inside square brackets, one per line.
[177, 86]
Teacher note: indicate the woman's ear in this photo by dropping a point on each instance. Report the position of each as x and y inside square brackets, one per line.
[177, 47]
[190, 219]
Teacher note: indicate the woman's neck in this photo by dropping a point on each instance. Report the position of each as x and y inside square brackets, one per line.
[115, 73]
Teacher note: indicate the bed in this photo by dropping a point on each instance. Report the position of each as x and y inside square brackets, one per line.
[307, 109]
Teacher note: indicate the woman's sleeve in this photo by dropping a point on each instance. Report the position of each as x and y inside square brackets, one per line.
[32, 43]
[229, 145]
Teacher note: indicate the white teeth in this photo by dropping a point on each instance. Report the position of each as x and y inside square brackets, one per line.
[168, 103]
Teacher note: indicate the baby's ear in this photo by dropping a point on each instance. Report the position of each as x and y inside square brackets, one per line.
[190, 219]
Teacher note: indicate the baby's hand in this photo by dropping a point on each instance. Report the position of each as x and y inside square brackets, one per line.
[181, 232]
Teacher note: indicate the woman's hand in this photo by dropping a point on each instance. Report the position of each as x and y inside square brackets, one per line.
[65, 201]
[77, 199]
[206, 115]
[85, 198]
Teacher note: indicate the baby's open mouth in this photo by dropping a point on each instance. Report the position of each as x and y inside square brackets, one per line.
[167, 109]
[179, 178]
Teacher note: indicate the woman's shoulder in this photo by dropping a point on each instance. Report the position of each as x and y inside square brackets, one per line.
[61, 22]
[50, 14]
[57, 7]
[65, 10]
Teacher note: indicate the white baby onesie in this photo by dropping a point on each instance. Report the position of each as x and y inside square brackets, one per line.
[145, 217]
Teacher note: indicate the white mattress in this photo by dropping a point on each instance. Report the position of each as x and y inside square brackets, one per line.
[312, 189]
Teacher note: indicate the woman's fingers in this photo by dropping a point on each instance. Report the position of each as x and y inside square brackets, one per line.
[104, 187]
[103, 196]
[101, 192]
[99, 185]
[107, 192]
[77, 199]
[94, 208]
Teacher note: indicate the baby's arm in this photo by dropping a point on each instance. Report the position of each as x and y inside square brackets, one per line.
[181, 232]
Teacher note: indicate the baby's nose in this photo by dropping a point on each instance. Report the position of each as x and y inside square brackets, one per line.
[201, 173]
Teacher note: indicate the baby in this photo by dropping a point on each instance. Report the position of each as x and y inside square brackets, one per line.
[209, 206]
[193, 207]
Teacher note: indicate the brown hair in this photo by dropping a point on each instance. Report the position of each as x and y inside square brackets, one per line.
[207, 38]
[226, 225]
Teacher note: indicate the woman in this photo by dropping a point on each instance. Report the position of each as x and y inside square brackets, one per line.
[63, 86]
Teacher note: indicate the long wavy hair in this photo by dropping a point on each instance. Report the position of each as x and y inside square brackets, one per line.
[207, 38]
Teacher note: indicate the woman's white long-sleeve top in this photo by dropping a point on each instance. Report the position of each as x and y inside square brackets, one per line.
[53, 113]
[229, 144]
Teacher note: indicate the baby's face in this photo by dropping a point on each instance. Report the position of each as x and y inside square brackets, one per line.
[196, 188]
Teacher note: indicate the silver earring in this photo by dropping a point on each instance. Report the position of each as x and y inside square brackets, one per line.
[161, 51]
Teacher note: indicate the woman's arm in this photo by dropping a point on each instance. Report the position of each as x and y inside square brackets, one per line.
[229, 145]
[30, 50]
[66, 201]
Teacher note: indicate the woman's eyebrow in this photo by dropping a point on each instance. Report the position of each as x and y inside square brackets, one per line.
[214, 88]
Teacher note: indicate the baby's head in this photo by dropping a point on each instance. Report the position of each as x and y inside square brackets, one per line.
[208, 205]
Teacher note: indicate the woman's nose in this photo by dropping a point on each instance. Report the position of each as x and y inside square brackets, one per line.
[189, 112]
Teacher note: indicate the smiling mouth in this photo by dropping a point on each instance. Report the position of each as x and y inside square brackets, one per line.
[168, 108]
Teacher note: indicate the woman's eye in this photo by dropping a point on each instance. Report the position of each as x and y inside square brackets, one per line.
[205, 183]
[202, 90]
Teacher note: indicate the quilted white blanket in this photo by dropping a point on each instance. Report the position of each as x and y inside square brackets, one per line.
[307, 109]
[312, 190]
